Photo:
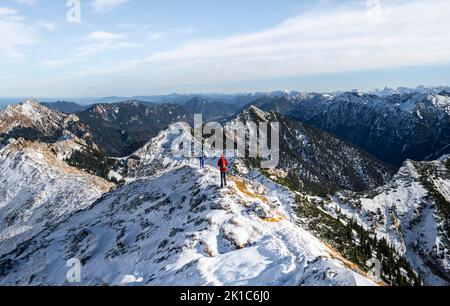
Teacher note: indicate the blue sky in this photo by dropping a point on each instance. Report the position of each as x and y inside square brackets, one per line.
[138, 47]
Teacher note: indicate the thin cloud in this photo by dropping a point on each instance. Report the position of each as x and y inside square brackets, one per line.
[96, 42]
[55, 63]
[335, 41]
[105, 6]
[101, 41]
[154, 36]
[29, 2]
[15, 34]
[46, 25]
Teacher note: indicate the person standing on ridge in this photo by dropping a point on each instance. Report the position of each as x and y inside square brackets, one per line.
[202, 161]
[223, 166]
[202, 158]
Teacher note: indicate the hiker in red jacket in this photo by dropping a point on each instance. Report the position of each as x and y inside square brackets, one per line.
[223, 166]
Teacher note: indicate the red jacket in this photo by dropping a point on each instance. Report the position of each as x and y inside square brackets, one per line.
[223, 165]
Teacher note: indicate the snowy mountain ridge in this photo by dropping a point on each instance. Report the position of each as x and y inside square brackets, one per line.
[29, 114]
[392, 128]
[178, 228]
[170, 224]
[405, 90]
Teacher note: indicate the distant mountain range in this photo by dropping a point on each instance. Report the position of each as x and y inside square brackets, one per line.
[405, 90]
[393, 125]
[210, 110]
[99, 183]
[237, 98]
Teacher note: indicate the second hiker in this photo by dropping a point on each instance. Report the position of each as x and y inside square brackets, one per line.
[202, 158]
[223, 166]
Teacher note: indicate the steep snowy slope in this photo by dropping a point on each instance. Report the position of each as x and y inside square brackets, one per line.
[37, 189]
[412, 213]
[176, 227]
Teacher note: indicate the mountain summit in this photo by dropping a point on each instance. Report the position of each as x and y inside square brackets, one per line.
[34, 121]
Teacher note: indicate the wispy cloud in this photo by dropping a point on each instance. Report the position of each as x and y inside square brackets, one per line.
[361, 38]
[8, 12]
[46, 25]
[104, 6]
[101, 41]
[154, 35]
[95, 42]
[157, 35]
[329, 41]
[15, 33]
[30, 2]
[55, 63]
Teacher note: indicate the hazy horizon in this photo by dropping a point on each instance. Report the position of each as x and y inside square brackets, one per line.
[4, 99]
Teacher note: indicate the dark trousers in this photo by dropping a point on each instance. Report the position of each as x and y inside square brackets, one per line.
[223, 178]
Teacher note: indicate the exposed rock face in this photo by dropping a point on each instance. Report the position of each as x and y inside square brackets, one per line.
[393, 128]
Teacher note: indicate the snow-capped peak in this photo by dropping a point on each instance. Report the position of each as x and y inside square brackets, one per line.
[35, 121]
[387, 91]
[253, 111]
[29, 114]
[28, 108]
